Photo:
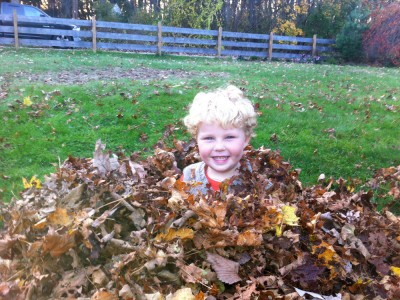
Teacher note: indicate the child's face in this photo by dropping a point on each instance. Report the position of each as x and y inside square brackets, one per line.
[221, 149]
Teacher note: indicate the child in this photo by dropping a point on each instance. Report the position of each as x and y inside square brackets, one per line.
[222, 123]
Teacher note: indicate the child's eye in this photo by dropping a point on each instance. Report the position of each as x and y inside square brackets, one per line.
[229, 137]
[208, 138]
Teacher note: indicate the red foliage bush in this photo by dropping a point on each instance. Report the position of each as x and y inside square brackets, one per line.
[381, 42]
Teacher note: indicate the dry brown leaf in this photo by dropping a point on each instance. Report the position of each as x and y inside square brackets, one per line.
[250, 238]
[226, 269]
[60, 217]
[57, 244]
[6, 246]
[102, 161]
[104, 295]
[183, 233]
[191, 273]
[122, 222]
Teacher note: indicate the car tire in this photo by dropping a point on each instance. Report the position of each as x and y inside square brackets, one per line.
[61, 38]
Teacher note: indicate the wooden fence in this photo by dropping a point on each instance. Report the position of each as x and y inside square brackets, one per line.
[161, 39]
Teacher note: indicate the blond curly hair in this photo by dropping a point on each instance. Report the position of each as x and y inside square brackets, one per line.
[227, 107]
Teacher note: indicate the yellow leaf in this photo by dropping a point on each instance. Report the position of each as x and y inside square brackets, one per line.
[60, 217]
[289, 216]
[184, 233]
[278, 230]
[35, 182]
[395, 270]
[26, 183]
[325, 252]
[350, 188]
[27, 101]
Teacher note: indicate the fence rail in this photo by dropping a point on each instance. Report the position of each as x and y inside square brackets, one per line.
[157, 39]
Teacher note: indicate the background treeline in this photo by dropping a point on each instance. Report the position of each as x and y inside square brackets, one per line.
[293, 17]
[348, 21]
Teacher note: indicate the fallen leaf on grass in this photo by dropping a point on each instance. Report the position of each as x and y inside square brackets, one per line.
[34, 182]
[27, 101]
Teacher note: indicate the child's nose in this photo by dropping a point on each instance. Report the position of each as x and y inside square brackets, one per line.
[219, 146]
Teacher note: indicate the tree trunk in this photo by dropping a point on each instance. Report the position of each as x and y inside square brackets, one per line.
[75, 9]
[66, 9]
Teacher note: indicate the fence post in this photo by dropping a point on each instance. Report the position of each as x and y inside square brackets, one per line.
[159, 38]
[15, 23]
[94, 34]
[219, 42]
[314, 45]
[271, 42]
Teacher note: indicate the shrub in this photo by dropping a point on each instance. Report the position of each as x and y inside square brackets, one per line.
[349, 39]
[381, 42]
[104, 12]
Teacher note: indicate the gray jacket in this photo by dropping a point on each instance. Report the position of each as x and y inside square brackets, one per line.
[196, 173]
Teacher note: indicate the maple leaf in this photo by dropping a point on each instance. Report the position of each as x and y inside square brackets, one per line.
[226, 269]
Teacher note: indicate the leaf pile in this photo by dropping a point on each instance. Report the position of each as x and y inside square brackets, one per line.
[116, 227]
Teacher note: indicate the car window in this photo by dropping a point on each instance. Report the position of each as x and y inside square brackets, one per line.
[32, 12]
[9, 10]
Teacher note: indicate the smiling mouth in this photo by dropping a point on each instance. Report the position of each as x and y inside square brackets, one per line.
[220, 158]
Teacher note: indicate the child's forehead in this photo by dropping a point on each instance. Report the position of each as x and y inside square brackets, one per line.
[215, 126]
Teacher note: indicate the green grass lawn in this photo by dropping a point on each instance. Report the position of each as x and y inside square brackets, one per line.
[342, 121]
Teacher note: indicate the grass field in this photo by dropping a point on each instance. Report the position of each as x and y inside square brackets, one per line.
[342, 121]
